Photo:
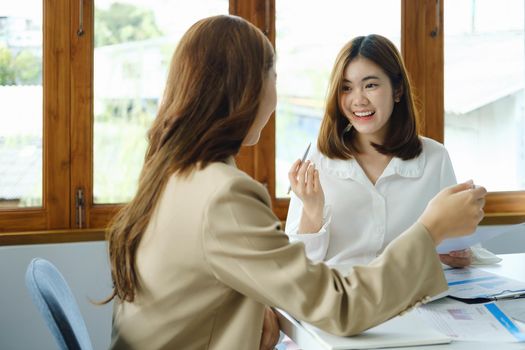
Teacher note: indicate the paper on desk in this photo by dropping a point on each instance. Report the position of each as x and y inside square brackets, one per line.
[482, 233]
[515, 308]
[472, 282]
[471, 322]
[397, 332]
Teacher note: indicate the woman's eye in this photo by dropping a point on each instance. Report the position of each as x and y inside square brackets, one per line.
[347, 88]
[371, 85]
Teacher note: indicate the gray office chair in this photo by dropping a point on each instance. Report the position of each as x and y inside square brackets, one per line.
[56, 303]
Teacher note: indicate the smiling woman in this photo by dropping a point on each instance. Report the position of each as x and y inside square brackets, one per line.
[305, 54]
[370, 162]
[367, 100]
[369, 75]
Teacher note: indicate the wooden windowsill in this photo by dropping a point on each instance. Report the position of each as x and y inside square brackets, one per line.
[87, 235]
[48, 237]
[503, 219]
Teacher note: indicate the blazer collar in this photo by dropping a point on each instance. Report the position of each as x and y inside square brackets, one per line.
[231, 161]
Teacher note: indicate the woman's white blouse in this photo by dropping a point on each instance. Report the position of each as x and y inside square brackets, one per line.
[361, 218]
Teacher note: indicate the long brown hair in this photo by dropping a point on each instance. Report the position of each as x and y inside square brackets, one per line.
[402, 134]
[210, 101]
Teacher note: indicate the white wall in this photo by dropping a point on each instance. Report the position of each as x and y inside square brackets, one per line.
[85, 268]
[506, 244]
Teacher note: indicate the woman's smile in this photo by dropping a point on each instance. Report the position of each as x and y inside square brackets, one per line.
[364, 115]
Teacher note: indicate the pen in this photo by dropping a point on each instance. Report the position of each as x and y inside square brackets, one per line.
[302, 161]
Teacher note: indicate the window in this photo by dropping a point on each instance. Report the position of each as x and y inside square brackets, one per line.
[61, 152]
[35, 138]
[133, 45]
[484, 101]
[134, 42]
[91, 86]
[484, 110]
[21, 80]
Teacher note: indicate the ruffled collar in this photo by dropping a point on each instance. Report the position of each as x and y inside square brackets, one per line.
[412, 168]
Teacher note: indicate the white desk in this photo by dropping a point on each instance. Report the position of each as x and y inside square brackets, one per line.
[512, 266]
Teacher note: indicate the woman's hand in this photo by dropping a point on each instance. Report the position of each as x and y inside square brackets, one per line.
[270, 331]
[304, 181]
[455, 211]
[457, 258]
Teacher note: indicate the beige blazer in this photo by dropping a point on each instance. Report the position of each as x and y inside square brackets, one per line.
[214, 255]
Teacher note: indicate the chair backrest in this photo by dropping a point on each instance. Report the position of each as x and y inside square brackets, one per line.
[55, 301]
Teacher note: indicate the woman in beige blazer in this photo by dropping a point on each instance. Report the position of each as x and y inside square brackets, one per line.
[198, 255]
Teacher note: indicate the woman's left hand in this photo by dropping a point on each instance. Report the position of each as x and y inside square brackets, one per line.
[270, 331]
[457, 258]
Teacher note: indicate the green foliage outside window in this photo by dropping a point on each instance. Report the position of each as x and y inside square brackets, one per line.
[23, 68]
[123, 22]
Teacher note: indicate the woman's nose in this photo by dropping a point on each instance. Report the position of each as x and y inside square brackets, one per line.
[359, 98]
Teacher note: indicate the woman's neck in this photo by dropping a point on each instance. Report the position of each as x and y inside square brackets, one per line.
[371, 161]
[364, 144]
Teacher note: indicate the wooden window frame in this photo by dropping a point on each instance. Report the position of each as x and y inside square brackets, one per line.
[68, 120]
[423, 37]
[54, 212]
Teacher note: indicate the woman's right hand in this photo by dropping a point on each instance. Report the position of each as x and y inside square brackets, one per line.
[455, 211]
[305, 183]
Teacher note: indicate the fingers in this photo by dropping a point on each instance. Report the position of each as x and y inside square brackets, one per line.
[270, 332]
[479, 192]
[310, 178]
[292, 174]
[457, 258]
[464, 253]
[317, 182]
[474, 198]
[302, 177]
[481, 215]
[452, 261]
[467, 185]
[301, 174]
[475, 191]
[481, 202]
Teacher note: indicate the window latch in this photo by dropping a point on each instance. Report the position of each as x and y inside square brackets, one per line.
[79, 207]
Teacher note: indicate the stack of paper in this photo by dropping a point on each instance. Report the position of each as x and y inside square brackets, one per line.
[471, 322]
[396, 332]
[514, 308]
[475, 284]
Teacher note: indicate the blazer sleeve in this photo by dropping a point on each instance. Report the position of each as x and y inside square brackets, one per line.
[247, 251]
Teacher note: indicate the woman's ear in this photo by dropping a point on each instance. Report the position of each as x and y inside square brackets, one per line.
[398, 93]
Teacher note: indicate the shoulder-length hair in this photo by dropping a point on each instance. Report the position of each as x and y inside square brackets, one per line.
[211, 98]
[401, 139]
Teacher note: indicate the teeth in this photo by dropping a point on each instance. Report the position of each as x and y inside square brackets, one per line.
[363, 114]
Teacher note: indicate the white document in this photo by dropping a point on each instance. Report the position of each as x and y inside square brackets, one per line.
[482, 233]
[471, 322]
[471, 282]
[407, 330]
[515, 308]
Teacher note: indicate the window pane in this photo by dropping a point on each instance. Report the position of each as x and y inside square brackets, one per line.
[484, 102]
[306, 47]
[21, 101]
[134, 42]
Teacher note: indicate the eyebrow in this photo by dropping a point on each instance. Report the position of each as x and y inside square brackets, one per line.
[368, 77]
